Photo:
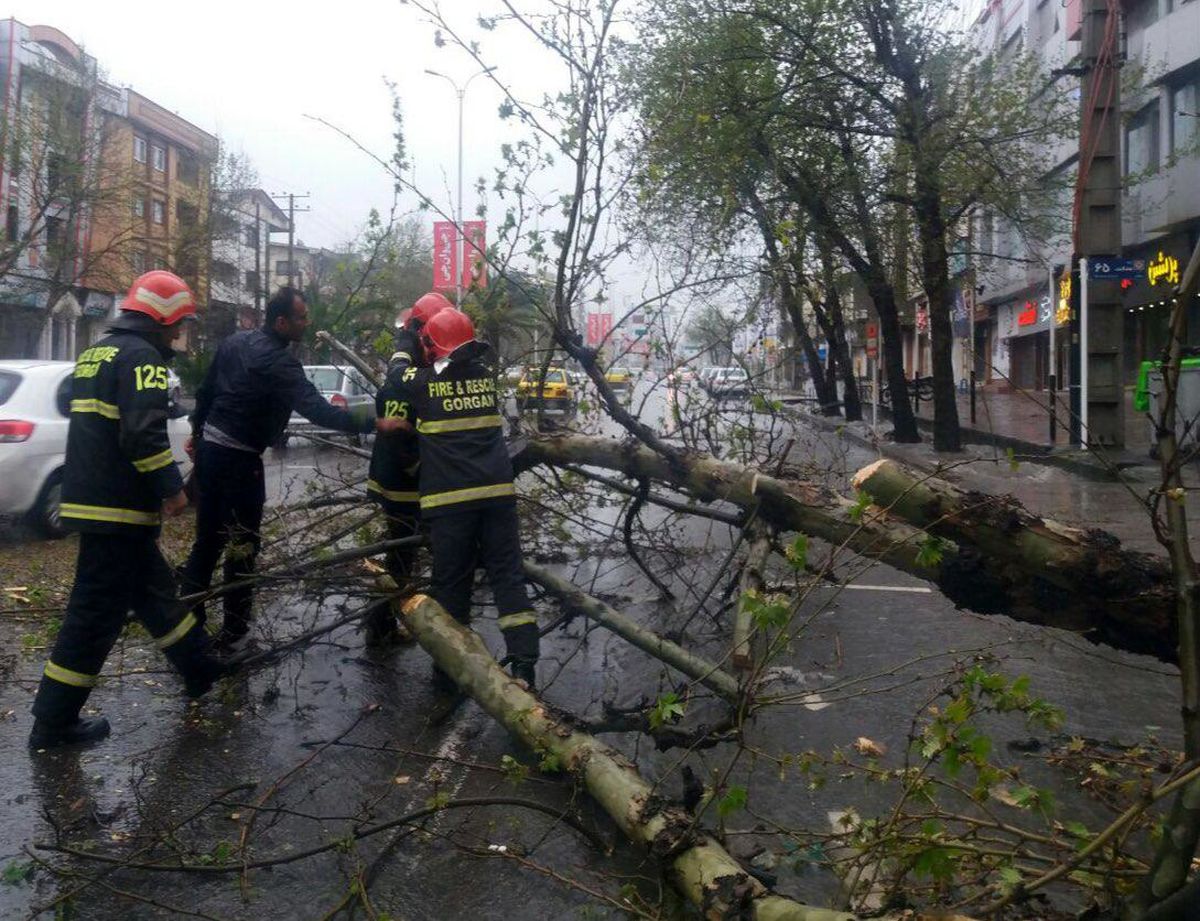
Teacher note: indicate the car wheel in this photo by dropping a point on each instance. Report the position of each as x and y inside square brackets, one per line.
[46, 514]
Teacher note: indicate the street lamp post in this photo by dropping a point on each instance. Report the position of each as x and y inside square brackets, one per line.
[461, 91]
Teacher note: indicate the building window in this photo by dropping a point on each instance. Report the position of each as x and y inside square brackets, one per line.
[188, 169]
[138, 262]
[1185, 115]
[139, 149]
[187, 215]
[251, 281]
[282, 267]
[1141, 141]
[251, 236]
[158, 212]
[12, 226]
[54, 231]
[139, 206]
[159, 157]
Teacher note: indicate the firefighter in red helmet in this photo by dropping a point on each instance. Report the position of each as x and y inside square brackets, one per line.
[120, 480]
[468, 500]
[393, 477]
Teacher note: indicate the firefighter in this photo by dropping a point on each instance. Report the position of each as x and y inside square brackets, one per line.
[468, 500]
[242, 407]
[392, 481]
[120, 480]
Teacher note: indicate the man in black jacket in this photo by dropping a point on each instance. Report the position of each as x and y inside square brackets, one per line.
[250, 391]
[466, 480]
[120, 480]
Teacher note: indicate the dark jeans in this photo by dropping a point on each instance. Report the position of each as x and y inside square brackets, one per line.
[114, 574]
[229, 510]
[486, 535]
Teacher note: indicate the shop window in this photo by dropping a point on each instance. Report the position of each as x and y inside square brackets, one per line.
[1142, 141]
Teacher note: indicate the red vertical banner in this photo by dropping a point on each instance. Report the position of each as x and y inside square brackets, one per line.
[599, 326]
[445, 256]
[474, 265]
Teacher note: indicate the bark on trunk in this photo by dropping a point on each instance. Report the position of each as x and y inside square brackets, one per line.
[851, 404]
[987, 572]
[575, 599]
[1081, 580]
[752, 581]
[699, 867]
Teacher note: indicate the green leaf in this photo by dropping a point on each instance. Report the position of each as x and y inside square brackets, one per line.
[797, 553]
[16, 872]
[1010, 878]
[666, 709]
[931, 551]
[514, 771]
[733, 800]
[1013, 464]
[861, 503]
[935, 862]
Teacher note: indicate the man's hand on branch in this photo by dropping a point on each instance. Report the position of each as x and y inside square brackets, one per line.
[173, 505]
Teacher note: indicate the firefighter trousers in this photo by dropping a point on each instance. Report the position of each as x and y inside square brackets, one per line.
[114, 574]
[485, 536]
[229, 511]
[401, 565]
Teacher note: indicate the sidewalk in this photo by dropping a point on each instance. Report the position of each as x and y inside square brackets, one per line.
[1019, 421]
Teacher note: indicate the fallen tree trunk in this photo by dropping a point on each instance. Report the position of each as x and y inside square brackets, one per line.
[971, 576]
[1123, 595]
[575, 599]
[700, 868]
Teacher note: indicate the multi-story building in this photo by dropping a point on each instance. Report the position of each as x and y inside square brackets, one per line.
[1160, 200]
[97, 184]
[241, 252]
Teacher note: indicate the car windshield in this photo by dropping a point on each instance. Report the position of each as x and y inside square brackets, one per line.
[325, 379]
[555, 377]
[8, 385]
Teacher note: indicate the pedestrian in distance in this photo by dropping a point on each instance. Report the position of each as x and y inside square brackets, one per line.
[393, 478]
[120, 480]
[249, 392]
[468, 500]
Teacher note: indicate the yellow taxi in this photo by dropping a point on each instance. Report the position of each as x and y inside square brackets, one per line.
[618, 378]
[554, 391]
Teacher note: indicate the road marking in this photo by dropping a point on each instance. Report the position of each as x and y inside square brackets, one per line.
[814, 702]
[913, 589]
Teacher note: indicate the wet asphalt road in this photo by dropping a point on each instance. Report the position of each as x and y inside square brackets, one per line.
[167, 759]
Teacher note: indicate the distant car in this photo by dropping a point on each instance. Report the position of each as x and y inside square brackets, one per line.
[343, 387]
[512, 375]
[728, 382]
[618, 378]
[555, 391]
[35, 407]
[681, 377]
[578, 379]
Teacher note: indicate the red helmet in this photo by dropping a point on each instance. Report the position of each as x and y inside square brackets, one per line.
[446, 331]
[163, 296]
[426, 308]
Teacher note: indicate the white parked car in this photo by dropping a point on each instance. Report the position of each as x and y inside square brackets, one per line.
[725, 382]
[35, 404]
[343, 387]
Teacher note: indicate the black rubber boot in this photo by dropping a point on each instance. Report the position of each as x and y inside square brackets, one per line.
[81, 731]
[196, 664]
[525, 669]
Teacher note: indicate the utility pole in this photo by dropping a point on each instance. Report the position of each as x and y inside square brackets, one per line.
[258, 277]
[1098, 229]
[291, 230]
[461, 91]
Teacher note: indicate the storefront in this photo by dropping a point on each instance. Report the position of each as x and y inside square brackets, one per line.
[1023, 328]
[1147, 300]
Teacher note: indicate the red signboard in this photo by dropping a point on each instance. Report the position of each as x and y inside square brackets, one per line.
[1028, 316]
[474, 265]
[872, 340]
[599, 325]
[445, 256]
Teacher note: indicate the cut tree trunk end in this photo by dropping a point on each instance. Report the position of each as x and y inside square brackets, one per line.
[700, 868]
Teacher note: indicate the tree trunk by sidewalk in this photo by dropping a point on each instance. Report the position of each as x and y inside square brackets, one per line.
[700, 868]
[1074, 580]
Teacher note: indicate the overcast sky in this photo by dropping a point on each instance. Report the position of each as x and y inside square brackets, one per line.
[251, 71]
